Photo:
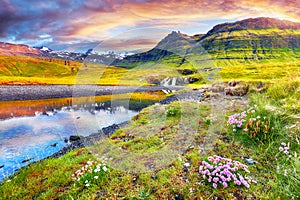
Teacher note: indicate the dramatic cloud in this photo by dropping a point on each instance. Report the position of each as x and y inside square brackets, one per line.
[66, 22]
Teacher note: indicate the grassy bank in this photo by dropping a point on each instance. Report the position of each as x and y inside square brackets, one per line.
[267, 141]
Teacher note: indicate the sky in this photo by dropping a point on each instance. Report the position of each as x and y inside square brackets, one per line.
[78, 25]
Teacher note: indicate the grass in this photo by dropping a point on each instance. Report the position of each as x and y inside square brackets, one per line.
[277, 174]
[243, 64]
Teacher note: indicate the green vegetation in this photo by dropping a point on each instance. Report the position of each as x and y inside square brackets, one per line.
[264, 136]
[274, 152]
[249, 55]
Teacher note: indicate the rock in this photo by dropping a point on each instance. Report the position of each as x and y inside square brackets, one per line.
[217, 89]
[193, 79]
[155, 80]
[188, 80]
[110, 129]
[186, 165]
[151, 166]
[74, 138]
[26, 160]
[153, 176]
[185, 80]
[53, 145]
[215, 95]
[186, 71]
[249, 161]
[241, 90]
[179, 197]
[233, 83]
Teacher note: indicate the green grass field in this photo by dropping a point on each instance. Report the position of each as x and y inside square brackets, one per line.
[238, 64]
[277, 174]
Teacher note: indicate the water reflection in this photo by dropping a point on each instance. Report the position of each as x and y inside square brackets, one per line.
[45, 131]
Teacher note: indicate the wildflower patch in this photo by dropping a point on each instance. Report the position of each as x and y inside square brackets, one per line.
[92, 173]
[224, 172]
[250, 122]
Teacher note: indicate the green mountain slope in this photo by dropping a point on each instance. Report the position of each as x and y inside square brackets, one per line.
[256, 39]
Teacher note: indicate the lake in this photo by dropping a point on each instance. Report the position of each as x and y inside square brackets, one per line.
[35, 129]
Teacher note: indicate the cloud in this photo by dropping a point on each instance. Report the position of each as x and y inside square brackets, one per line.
[170, 13]
[72, 22]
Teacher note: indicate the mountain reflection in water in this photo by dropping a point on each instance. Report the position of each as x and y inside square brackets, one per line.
[30, 138]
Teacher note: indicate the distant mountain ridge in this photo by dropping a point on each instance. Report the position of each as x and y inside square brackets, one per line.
[16, 49]
[254, 23]
[8, 49]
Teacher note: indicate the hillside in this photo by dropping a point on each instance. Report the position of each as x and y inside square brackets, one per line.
[247, 39]
[261, 35]
[254, 23]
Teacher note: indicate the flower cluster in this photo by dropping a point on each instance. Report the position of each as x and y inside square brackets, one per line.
[236, 120]
[250, 122]
[284, 148]
[91, 173]
[223, 171]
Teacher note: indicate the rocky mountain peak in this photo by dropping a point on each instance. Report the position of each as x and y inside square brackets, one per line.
[174, 40]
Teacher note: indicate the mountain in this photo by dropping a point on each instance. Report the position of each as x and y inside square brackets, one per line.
[254, 38]
[255, 34]
[254, 23]
[174, 43]
[44, 49]
[258, 38]
[8, 49]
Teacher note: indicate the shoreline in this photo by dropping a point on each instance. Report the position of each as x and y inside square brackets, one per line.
[79, 142]
[34, 92]
[85, 141]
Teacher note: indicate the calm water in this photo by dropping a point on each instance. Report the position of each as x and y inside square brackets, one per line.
[33, 137]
